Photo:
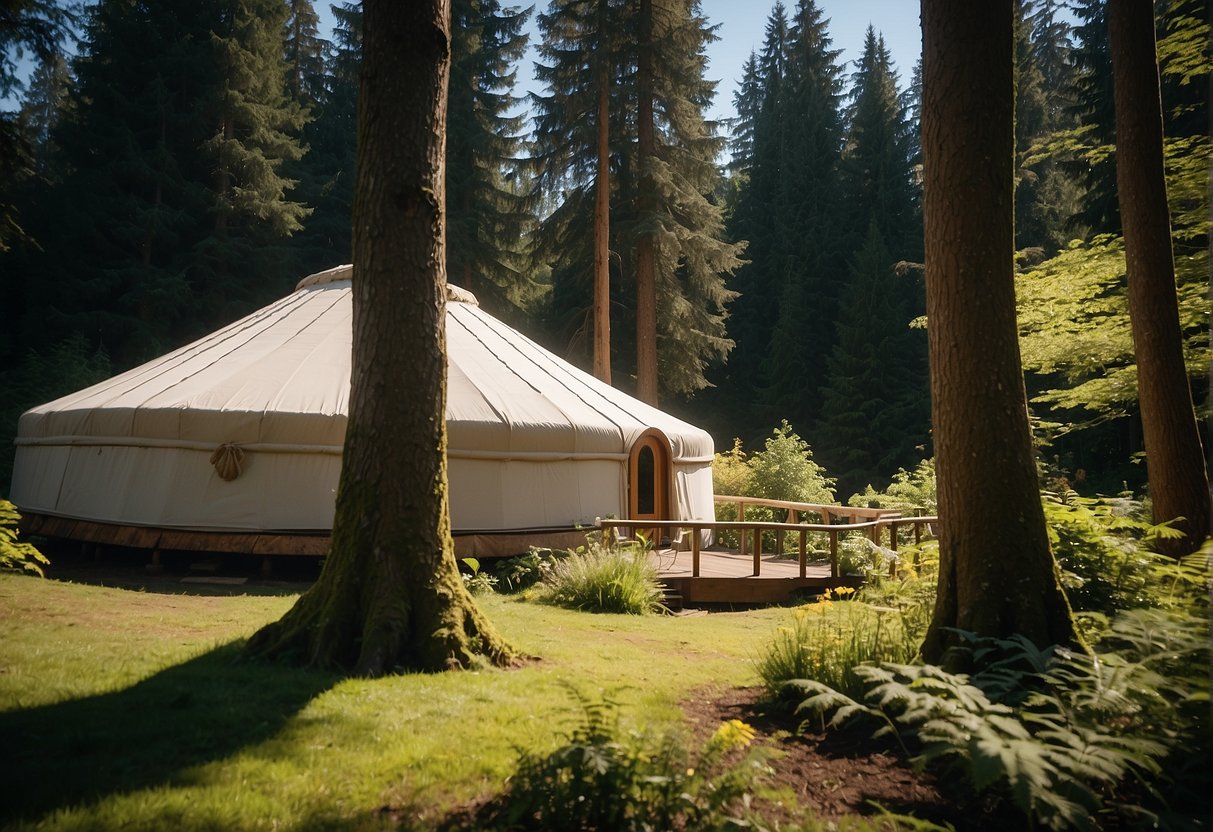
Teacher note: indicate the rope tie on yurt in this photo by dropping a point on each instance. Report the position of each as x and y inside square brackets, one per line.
[228, 460]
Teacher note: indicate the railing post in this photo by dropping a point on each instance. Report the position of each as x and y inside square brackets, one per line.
[803, 533]
[694, 551]
[757, 551]
[833, 553]
[741, 532]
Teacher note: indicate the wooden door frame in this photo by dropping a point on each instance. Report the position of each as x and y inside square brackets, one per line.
[663, 474]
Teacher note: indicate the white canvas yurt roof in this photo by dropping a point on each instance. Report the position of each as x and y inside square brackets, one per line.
[534, 443]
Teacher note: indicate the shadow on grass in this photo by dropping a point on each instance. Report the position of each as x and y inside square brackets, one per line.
[206, 709]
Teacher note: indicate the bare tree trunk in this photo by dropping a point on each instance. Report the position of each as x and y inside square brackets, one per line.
[1179, 479]
[646, 260]
[390, 595]
[997, 575]
[602, 211]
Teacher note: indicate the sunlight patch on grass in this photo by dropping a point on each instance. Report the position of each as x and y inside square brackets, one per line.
[194, 738]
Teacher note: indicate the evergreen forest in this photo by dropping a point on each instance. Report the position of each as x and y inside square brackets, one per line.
[168, 167]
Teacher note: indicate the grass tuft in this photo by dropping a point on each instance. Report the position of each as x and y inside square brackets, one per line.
[605, 577]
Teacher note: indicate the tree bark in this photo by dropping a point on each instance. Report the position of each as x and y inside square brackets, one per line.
[646, 260]
[602, 212]
[997, 575]
[1179, 479]
[390, 596]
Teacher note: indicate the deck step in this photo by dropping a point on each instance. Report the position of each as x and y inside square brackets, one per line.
[671, 598]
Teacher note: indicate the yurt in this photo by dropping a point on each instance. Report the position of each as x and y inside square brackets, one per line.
[233, 443]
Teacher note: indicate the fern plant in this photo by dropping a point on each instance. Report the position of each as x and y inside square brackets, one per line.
[1069, 740]
[16, 555]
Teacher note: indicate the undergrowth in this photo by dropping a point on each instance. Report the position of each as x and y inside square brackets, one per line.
[605, 778]
[1118, 738]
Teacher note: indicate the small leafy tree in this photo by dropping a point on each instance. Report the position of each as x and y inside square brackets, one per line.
[15, 555]
[783, 470]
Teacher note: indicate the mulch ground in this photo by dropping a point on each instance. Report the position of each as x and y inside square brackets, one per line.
[833, 774]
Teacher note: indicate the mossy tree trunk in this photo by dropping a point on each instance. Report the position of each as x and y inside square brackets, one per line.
[1179, 479]
[390, 596]
[997, 575]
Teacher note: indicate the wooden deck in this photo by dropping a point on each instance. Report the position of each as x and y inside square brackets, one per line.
[727, 577]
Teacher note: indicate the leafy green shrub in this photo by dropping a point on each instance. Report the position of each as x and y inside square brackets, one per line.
[524, 571]
[911, 492]
[610, 576]
[783, 470]
[16, 555]
[1101, 546]
[606, 779]
[477, 581]
[826, 639]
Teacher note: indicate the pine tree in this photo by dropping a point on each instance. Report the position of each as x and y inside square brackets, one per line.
[40, 26]
[126, 209]
[1045, 195]
[257, 124]
[758, 214]
[41, 110]
[747, 101]
[875, 166]
[1093, 109]
[171, 200]
[580, 64]
[809, 253]
[661, 195]
[877, 368]
[872, 419]
[390, 596]
[487, 209]
[326, 174]
[304, 52]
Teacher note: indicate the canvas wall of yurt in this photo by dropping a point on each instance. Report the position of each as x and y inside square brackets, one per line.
[234, 441]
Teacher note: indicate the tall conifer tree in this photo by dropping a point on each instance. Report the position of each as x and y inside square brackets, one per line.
[173, 196]
[660, 196]
[810, 249]
[872, 419]
[487, 211]
[327, 173]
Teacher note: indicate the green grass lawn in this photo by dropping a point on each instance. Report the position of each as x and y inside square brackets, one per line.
[135, 710]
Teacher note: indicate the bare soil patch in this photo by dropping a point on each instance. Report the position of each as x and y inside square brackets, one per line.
[833, 774]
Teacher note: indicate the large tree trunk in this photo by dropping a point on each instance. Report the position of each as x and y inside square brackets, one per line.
[390, 595]
[997, 575]
[602, 211]
[646, 258]
[1179, 480]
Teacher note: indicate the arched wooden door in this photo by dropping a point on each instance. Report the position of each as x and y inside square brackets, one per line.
[649, 477]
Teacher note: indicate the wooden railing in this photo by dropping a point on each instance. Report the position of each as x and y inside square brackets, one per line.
[872, 520]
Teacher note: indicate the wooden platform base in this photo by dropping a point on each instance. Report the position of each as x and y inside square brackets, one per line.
[727, 577]
[306, 544]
